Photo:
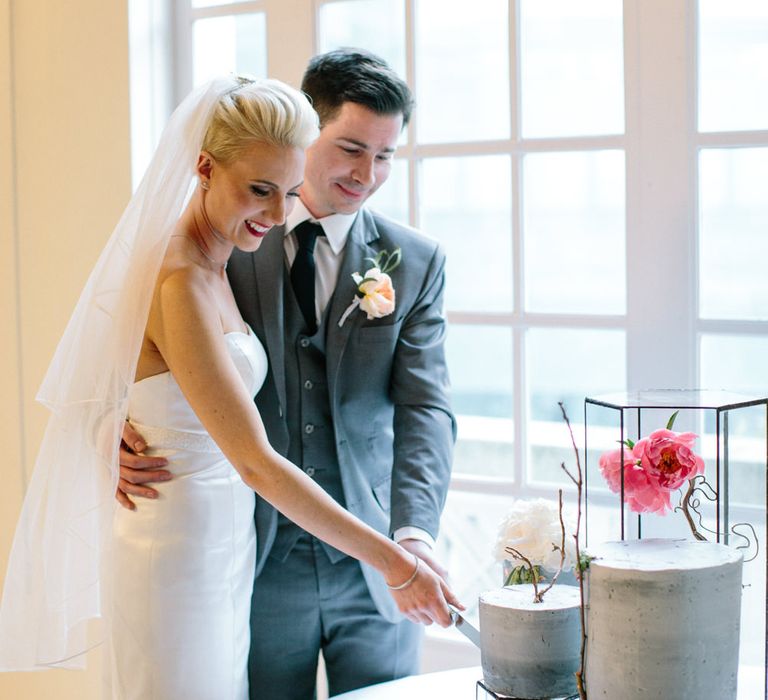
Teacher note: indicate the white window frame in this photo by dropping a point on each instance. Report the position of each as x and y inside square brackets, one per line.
[661, 145]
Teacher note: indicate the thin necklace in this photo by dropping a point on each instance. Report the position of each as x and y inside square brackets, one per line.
[222, 265]
[215, 233]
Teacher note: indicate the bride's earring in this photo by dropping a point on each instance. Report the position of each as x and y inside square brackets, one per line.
[204, 184]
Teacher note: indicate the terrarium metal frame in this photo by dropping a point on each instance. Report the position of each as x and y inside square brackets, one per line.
[721, 403]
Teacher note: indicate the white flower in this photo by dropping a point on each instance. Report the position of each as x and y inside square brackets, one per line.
[532, 527]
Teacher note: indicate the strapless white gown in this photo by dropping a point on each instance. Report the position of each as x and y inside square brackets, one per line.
[184, 562]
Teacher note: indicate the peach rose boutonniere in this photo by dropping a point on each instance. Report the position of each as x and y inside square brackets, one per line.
[375, 294]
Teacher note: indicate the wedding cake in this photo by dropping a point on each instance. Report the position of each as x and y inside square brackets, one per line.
[663, 620]
[530, 650]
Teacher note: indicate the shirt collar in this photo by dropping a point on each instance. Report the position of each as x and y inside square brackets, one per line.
[336, 226]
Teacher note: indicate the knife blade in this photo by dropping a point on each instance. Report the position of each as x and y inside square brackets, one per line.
[468, 630]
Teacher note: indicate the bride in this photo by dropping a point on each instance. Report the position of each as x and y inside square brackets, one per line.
[157, 338]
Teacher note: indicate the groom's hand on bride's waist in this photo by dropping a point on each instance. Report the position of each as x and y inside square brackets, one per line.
[137, 470]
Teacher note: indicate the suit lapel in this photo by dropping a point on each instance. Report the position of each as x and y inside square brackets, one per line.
[357, 248]
[269, 269]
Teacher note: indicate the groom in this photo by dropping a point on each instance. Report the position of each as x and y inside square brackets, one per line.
[360, 406]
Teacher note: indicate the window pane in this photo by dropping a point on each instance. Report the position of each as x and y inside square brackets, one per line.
[377, 25]
[480, 363]
[462, 73]
[574, 232]
[391, 199]
[468, 530]
[230, 44]
[733, 239]
[733, 65]
[466, 204]
[737, 363]
[566, 365]
[572, 67]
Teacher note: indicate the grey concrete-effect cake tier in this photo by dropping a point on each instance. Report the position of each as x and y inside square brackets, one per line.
[530, 650]
[663, 620]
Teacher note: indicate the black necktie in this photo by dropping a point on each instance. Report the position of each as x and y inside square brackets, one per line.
[303, 271]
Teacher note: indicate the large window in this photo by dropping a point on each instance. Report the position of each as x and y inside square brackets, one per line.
[596, 171]
[516, 162]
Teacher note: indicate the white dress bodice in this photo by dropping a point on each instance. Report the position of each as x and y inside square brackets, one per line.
[158, 401]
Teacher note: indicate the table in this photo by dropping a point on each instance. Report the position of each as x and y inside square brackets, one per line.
[456, 684]
[460, 684]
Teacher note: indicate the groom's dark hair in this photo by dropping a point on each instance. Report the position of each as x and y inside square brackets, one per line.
[355, 75]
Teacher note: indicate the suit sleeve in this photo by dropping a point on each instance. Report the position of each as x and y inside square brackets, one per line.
[424, 426]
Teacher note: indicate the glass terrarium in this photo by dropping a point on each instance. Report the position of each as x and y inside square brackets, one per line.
[726, 502]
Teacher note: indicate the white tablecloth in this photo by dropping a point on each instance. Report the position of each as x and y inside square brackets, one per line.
[456, 684]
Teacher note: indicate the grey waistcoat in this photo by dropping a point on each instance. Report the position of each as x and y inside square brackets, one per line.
[310, 426]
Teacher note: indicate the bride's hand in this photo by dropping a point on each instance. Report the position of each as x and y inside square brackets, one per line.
[423, 596]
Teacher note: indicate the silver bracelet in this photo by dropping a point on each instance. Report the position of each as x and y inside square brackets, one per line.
[410, 580]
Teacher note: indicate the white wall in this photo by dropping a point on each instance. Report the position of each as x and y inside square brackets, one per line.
[64, 179]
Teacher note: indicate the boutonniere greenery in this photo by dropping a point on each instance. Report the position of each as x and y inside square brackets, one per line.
[375, 294]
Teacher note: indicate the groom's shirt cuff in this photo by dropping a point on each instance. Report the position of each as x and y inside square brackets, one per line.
[414, 533]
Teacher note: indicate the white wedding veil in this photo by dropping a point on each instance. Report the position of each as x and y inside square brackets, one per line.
[57, 587]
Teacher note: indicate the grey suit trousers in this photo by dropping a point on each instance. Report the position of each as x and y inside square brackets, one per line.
[305, 604]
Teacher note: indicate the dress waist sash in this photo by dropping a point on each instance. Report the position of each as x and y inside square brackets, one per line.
[161, 438]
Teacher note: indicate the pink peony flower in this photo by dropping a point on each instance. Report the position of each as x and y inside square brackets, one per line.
[654, 468]
[641, 493]
[610, 467]
[644, 494]
[668, 458]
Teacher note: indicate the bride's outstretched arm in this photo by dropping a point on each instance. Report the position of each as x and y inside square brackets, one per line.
[186, 328]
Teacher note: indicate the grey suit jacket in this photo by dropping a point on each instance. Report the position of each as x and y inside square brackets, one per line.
[387, 381]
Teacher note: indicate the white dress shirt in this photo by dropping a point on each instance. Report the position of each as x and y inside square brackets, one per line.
[329, 254]
[329, 250]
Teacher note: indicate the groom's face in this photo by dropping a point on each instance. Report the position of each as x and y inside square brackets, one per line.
[350, 160]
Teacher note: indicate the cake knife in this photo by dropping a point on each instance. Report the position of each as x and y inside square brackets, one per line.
[468, 630]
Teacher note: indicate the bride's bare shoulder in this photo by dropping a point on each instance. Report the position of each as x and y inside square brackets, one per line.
[183, 289]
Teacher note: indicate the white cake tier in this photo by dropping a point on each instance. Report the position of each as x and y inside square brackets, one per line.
[530, 650]
[663, 620]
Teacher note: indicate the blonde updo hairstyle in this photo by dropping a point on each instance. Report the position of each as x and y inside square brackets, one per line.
[266, 111]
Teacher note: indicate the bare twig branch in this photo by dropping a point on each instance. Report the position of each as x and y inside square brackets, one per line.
[562, 546]
[568, 474]
[690, 506]
[579, 482]
[748, 541]
[686, 508]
